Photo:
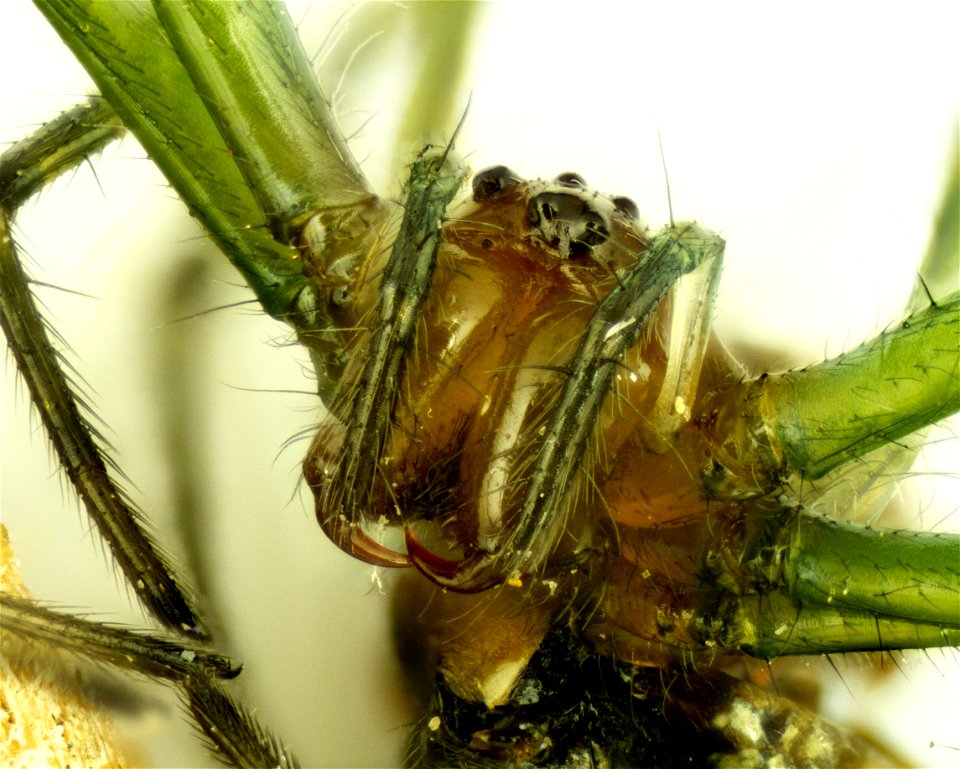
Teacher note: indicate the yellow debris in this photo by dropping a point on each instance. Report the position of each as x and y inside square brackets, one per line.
[45, 721]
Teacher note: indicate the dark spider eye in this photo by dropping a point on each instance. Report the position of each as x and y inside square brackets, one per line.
[571, 179]
[627, 207]
[594, 230]
[566, 222]
[492, 181]
[541, 210]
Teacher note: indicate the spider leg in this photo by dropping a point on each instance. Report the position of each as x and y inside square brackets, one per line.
[344, 502]
[233, 733]
[150, 655]
[24, 169]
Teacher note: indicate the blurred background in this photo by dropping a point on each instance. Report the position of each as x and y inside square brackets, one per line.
[814, 138]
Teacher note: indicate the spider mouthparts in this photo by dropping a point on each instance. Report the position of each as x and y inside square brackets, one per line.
[360, 545]
[472, 574]
[350, 537]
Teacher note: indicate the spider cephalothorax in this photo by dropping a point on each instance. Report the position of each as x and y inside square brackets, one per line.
[543, 351]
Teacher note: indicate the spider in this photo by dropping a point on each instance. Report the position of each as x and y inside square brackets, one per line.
[311, 548]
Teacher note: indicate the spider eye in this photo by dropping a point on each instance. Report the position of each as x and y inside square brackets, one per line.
[573, 180]
[541, 210]
[627, 207]
[566, 222]
[493, 181]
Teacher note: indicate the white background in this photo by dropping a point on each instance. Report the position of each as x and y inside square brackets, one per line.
[813, 137]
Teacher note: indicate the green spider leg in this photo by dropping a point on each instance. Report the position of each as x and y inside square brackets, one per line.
[236, 736]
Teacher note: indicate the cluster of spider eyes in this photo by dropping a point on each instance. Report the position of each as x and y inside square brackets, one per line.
[565, 215]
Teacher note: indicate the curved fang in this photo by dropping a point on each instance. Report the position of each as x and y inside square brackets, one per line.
[353, 540]
[367, 549]
[472, 574]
